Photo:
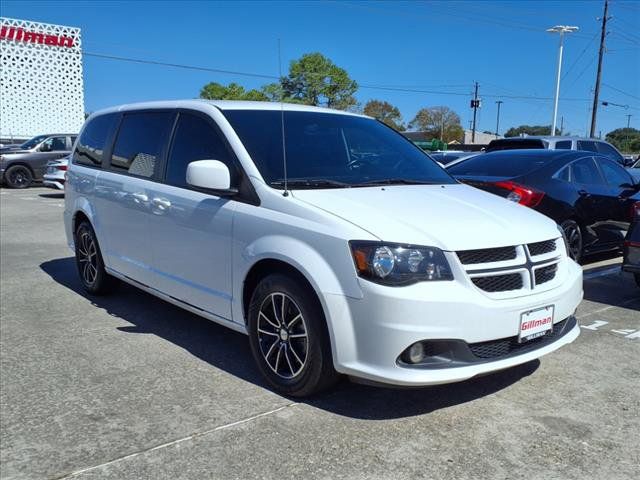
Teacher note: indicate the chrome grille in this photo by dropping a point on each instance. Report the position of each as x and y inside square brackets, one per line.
[546, 274]
[499, 283]
[540, 248]
[487, 255]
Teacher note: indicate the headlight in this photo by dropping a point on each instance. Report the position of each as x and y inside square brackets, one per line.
[564, 240]
[398, 264]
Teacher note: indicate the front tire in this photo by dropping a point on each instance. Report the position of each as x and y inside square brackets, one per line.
[95, 280]
[288, 337]
[18, 176]
[573, 235]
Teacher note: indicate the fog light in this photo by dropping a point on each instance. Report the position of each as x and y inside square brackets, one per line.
[415, 354]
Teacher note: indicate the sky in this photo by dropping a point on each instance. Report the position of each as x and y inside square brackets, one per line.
[434, 49]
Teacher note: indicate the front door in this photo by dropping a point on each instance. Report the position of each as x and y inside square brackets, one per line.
[191, 230]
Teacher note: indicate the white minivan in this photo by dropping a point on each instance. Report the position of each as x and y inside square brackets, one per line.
[329, 239]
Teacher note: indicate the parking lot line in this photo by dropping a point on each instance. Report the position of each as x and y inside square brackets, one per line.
[177, 441]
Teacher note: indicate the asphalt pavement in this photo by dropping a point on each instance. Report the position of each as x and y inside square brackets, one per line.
[130, 387]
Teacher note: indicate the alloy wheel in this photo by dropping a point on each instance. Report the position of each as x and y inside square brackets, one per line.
[19, 177]
[88, 257]
[282, 335]
[574, 239]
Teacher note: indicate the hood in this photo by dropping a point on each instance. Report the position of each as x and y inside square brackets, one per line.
[450, 217]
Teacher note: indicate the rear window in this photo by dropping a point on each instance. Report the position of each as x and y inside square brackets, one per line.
[563, 145]
[500, 165]
[515, 144]
[93, 140]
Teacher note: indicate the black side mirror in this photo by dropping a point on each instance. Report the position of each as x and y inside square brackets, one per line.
[45, 147]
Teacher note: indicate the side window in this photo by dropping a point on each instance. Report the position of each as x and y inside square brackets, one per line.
[141, 139]
[563, 145]
[54, 144]
[563, 174]
[93, 140]
[587, 146]
[585, 172]
[614, 174]
[608, 151]
[195, 139]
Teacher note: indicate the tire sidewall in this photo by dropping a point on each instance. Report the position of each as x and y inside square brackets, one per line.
[307, 381]
[13, 168]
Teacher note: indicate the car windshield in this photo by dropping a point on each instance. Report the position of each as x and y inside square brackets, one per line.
[500, 164]
[33, 142]
[325, 150]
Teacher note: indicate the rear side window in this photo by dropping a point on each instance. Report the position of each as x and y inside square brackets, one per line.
[93, 140]
[585, 172]
[500, 165]
[563, 145]
[195, 139]
[140, 142]
[587, 146]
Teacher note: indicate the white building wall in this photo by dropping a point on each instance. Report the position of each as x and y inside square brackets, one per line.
[41, 87]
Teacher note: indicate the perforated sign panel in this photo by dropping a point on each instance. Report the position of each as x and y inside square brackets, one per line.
[41, 89]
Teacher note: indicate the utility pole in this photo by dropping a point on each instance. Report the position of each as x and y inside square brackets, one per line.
[596, 93]
[475, 103]
[628, 119]
[561, 124]
[499, 102]
[561, 29]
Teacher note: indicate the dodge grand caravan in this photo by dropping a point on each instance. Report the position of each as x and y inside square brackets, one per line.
[329, 239]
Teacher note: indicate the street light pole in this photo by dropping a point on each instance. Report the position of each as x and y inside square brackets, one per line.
[499, 102]
[561, 29]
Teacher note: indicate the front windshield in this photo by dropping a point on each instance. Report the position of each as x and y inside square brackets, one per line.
[33, 142]
[326, 150]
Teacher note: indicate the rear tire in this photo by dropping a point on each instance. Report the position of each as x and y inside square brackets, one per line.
[288, 337]
[95, 280]
[18, 176]
[573, 234]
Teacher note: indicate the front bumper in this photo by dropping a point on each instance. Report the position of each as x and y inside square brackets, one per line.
[369, 334]
[53, 181]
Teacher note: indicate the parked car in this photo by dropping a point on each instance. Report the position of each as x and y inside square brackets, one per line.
[558, 143]
[55, 173]
[362, 257]
[631, 256]
[589, 196]
[20, 167]
[634, 170]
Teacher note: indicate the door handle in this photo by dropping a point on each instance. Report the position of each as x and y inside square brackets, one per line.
[161, 203]
[584, 193]
[140, 197]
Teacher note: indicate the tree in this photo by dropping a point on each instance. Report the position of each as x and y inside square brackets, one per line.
[530, 130]
[439, 122]
[385, 112]
[316, 80]
[233, 91]
[624, 139]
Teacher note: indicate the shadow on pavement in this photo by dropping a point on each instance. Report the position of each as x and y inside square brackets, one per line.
[52, 195]
[229, 351]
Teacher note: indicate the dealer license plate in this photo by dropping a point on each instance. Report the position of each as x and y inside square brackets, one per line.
[535, 323]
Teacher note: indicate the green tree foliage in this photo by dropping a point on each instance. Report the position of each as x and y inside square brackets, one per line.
[530, 130]
[233, 91]
[316, 80]
[439, 122]
[625, 139]
[385, 112]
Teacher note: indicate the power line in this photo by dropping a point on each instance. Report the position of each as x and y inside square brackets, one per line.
[620, 91]
[579, 56]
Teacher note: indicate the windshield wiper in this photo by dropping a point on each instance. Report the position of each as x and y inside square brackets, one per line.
[394, 181]
[310, 183]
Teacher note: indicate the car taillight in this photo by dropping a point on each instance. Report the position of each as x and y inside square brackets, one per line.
[61, 167]
[527, 196]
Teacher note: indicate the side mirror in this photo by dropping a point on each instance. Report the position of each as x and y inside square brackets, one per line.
[45, 147]
[211, 176]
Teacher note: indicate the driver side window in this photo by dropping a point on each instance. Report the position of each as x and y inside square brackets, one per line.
[54, 144]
